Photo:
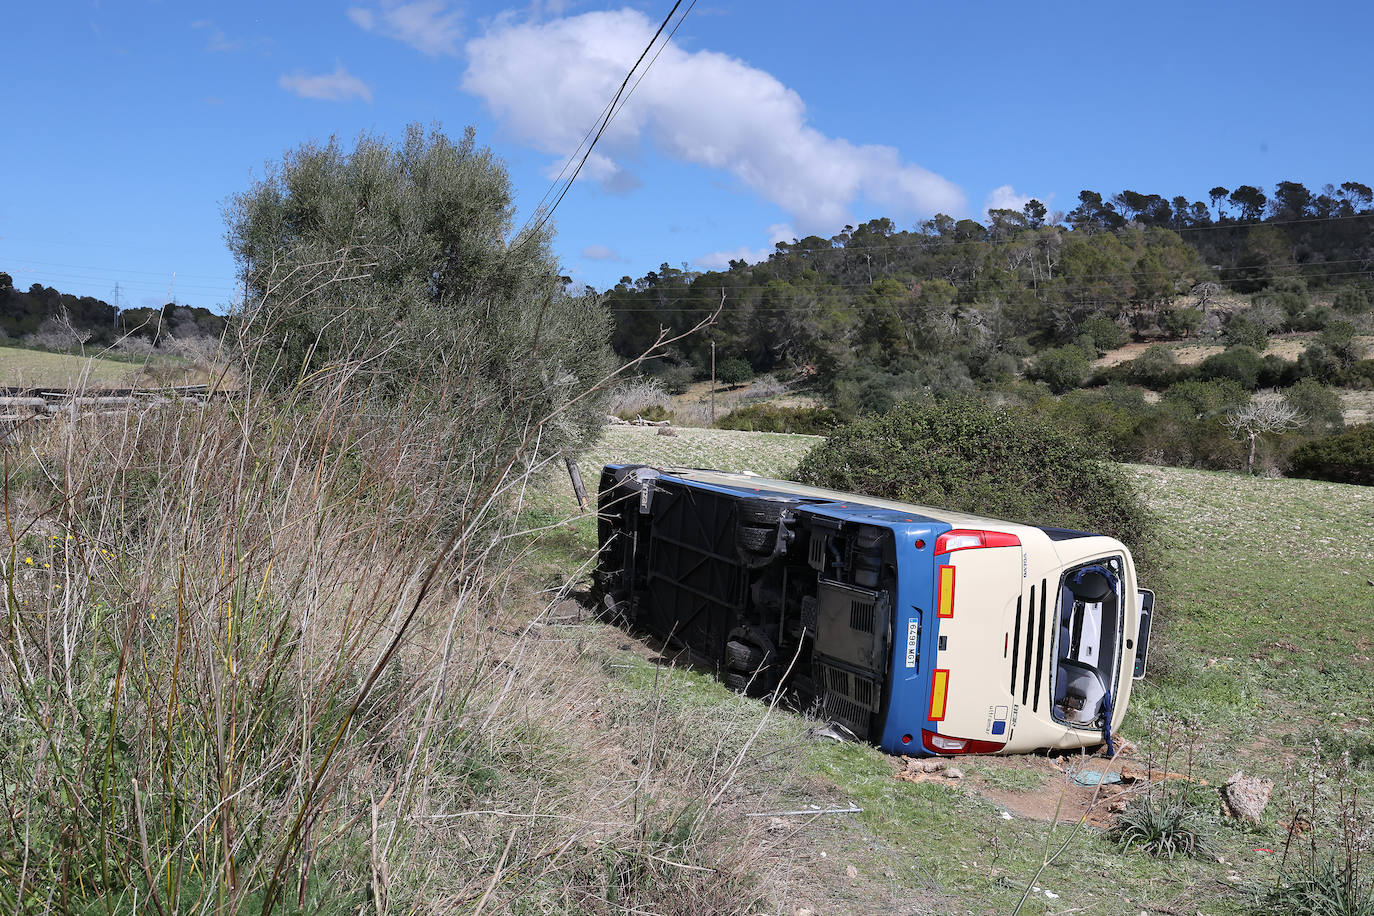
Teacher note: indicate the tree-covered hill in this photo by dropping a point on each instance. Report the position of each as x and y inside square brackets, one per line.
[55, 320]
[950, 302]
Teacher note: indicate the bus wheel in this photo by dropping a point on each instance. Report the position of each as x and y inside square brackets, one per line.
[739, 682]
[743, 657]
[753, 539]
[762, 512]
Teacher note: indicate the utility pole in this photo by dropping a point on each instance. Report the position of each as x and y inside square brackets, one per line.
[114, 322]
[713, 354]
[713, 377]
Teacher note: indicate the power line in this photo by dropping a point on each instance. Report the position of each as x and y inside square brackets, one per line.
[605, 120]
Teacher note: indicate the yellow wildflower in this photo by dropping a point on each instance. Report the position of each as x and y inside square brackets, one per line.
[28, 560]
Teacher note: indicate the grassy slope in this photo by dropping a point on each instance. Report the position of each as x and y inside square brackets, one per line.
[21, 368]
[1263, 644]
[31, 368]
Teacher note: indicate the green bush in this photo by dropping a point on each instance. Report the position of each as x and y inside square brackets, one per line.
[1353, 300]
[1313, 319]
[1242, 332]
[1288, 294]
[1319, 362]
[1347, 457]
[1063, 368]
[1207, 398]
[1339, 337]
[676, 377]
[1106, 334]
[772, 418]
[734, 371]
[1319, 405]
[962, 454]
[1157, 367]
[1180, 322]
[1240, 364]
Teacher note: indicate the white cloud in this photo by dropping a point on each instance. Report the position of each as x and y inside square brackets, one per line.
[548, 82]
[720, 260]
[339, 86]
[601, 253]
[1005, 198]
[426, 25]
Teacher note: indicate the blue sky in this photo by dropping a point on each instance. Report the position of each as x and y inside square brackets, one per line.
[127, 125]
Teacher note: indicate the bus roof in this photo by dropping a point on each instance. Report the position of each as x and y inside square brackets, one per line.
[753, 485]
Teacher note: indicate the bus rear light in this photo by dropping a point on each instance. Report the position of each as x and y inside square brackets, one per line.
[939, 694]
[947, 744]
[968, 538]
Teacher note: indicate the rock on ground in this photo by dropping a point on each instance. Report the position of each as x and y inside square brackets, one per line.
[1246, 797]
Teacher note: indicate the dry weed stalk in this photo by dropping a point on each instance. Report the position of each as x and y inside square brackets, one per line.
[248, 639]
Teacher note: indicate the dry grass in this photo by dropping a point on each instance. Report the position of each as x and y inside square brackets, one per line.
[282, 654]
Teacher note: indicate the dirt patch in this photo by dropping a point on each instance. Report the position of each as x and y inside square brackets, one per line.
[1357, 407]
[1288, 347]
[1048, 789]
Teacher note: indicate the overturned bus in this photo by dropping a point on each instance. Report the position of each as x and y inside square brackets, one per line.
[922, 630]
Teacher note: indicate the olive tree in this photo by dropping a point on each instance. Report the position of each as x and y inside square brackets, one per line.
[402, 261]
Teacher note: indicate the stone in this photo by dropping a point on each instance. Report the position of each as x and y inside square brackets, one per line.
[1246, 797]
[954, 773]
[1131, 774]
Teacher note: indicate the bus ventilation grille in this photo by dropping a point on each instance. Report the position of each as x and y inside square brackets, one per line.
[816, 551]
[861, 616]
[849, 698]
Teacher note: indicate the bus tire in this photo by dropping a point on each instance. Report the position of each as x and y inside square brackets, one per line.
[762, 512]
[753, 539]
[743, 657]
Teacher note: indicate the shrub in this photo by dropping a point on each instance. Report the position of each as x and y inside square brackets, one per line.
[1313, 319]
[1240, 364]
[966, 455]
[1353, 300]
[772, 418]
[1166, 828]
[734, 371]
[1105, 333]
[676, 378]
[1339, 338]
[637, 397]
[1277, 372]
[1318, 404]
[1207, 398]
[1320, 363]
[1109, 416]
[1241, 331]
[996, 367]
[1063, 368]
[405, 258]
[1180, 322]
[1157, 367]
[1346, 457]
[1288, 294]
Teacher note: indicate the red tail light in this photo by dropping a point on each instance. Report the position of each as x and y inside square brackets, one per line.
[947, 744]
[968, 538]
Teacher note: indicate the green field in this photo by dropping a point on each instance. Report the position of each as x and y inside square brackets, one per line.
[21, 368]
[1261, 653]
[35, 368]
